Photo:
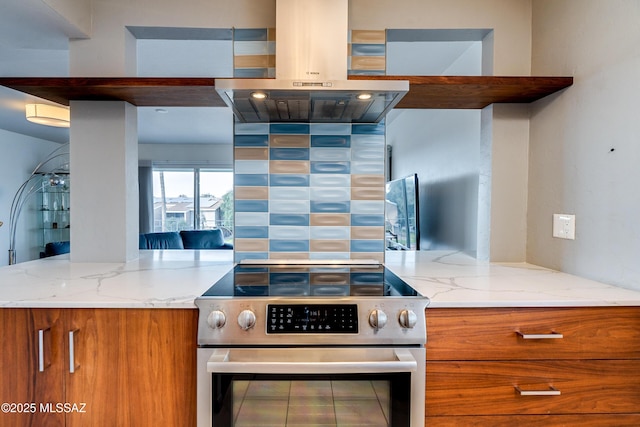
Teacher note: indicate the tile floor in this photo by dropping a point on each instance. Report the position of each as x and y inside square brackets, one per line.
[311, 403]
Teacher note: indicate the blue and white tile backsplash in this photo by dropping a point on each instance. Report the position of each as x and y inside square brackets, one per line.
[309, 191]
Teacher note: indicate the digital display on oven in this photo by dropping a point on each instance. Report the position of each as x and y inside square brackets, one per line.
[312, 319]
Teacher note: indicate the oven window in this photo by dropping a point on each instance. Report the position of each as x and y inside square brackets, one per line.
[342, 400]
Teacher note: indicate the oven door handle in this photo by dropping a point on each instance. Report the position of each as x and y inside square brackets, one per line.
[224, 361]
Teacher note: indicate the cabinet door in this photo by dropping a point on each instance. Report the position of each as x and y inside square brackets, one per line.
[132, 367]
[162, 366]
[30, 367]
[533, 387]
[533, 333]
[92, 366]
[600, 420]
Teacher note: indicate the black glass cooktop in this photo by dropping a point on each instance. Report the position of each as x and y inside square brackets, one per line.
[310, 281]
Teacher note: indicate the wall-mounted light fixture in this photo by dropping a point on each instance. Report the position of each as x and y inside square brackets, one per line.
[50, 115]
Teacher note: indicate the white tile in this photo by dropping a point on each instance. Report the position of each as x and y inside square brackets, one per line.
[288, 232]
[251, 166]
[362, 167]
[330, 233]
[328, 194]
[250, 48]
[289, 206]
[329, 154]
[330, 180]
[289, 193]
[251, 129]
[252, 218]
[367, 207]
[330, 128]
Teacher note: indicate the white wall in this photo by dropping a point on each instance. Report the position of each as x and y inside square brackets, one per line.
[443, 148]
[20, 155]
[110, 53]
[504, 130]
[105, 53]
[584, 148]
[510, 19]
[509, 170]
[177, 155]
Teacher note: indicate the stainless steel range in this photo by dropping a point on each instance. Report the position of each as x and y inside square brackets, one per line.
[311, 344]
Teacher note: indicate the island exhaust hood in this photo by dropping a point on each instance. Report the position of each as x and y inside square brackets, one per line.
[311, 73]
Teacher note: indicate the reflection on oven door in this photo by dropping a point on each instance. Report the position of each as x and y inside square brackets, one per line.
[311, 386]
[311, 403]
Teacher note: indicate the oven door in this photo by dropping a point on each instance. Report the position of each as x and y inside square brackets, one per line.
[312, 386]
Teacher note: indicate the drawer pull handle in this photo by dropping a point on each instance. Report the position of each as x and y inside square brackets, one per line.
[72, 352]
[551, 336]
[43, 360]
[551, 392]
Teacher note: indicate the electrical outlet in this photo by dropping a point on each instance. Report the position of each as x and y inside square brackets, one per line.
[564, 226]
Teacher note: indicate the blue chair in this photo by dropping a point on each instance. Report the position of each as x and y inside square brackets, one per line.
[204, 239]
[165, 240]
[56, 248]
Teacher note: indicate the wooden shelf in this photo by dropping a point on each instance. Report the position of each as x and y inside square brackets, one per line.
[139, 91]
[473, 92]
[443, 92]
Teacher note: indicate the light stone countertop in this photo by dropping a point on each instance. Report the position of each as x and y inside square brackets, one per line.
[157, 279]
[174, 278]
[452, 279]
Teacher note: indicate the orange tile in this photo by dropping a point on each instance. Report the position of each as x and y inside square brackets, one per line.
[367, 193]
[252, 153]
[368, 63]
[330, 219]
[329, 245]
[251, 193]
[369, 36]
[251, 245]
[254, 61]
[289, 166]
[289, 141]
[367, 180]
[367, 232]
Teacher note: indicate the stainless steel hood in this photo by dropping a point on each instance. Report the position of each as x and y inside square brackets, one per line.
[311, 73]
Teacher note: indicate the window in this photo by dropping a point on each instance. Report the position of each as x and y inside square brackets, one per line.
[192, 199]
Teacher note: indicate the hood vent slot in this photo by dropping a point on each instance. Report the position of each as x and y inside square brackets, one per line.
[305, 106]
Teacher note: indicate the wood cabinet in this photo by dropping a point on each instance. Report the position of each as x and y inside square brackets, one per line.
[533, 366]
[98, 367]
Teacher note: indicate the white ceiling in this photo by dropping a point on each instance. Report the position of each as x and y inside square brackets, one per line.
[34, 43]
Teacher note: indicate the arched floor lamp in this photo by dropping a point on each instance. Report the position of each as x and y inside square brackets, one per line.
[57, 162]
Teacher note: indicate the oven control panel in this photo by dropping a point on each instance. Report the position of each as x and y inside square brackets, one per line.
[312, 318]
[322, 321]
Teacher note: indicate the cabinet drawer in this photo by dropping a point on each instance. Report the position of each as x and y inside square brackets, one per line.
[624, 420]
[533, 333]
[491, 388]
